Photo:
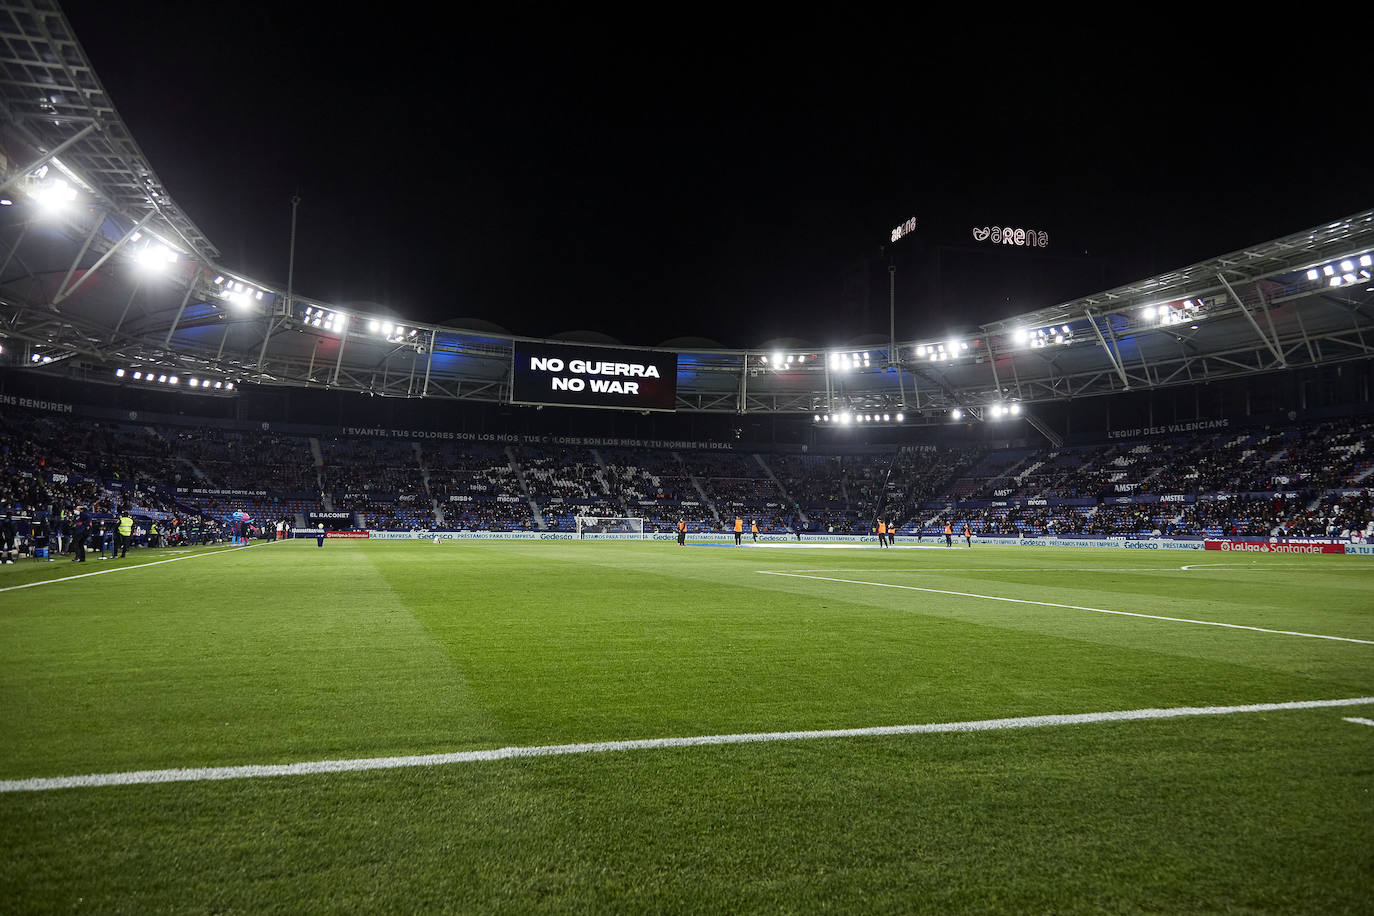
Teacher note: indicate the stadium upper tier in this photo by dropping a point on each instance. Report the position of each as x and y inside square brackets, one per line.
[1311, 478]
[102, 272]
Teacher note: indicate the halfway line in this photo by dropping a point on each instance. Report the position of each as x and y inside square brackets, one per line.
[1071, 607]
[101, 572]
[205, 774]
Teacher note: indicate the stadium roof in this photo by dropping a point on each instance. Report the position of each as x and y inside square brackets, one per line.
[101, 271]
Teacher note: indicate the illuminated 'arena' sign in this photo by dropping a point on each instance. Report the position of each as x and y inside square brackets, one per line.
[1023, 237]
[585, 376]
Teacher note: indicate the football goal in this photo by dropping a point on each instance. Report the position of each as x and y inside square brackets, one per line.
[629, 528]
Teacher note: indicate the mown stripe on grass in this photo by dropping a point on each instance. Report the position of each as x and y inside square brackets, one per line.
[1070, 607]
[206, 774]
[112, 569]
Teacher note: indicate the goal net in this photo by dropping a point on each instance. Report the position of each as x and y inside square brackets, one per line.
[592, 526]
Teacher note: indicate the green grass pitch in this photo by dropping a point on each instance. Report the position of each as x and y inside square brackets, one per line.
[287, 653]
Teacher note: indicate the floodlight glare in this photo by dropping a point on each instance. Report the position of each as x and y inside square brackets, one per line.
[119, 373]
[1328, 270]
[899, 418]
[374, 325]
[777, 359]
[956, 414]
[1016, 410]
[138, 376]
[162, 378]
[1335, 281]
[1020, 336]
[885, 418]
[1366, 261]
[172, 380]
[1347, 266]
[818, 418]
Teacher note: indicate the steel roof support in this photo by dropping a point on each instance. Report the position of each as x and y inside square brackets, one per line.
[63, 294]
[90, 237]
[429, 362]
[1253, 323]
[167, 341]
[1116, 363]
[343, 341]
[43, 159]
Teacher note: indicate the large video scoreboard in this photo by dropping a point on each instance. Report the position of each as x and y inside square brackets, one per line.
[574, 375]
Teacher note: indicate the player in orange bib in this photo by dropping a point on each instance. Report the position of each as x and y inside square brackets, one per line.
[754, 530]
[681, 532]
[968, 534]
[882, 534]
[739, 529]
[949, 535]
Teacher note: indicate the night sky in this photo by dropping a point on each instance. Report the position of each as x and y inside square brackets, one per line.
[724, 180]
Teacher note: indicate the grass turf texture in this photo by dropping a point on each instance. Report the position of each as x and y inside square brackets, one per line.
[286, 652]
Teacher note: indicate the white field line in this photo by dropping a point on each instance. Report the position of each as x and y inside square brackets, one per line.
[113, 569]
[1071, 607]
[985, 569]
[207, 774]
[1359, 721]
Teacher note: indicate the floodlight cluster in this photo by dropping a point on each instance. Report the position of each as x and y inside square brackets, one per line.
[394, 333]
[325, 319]
[780, 361]
[938, 353]
[40, 358]
[50, 193]
[998, 411]
[845, 362]
[844, 418]
[1172, 313]
[161, 378]
[1343, 273]
[1054, 335]
[152, 255]
[238, 293]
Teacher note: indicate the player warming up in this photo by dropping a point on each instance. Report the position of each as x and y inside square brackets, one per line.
[949, 534]
[968, 534]
[739, 530]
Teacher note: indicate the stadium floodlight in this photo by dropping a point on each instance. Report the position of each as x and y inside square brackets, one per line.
[1328, 270]
[900, 418]
[1347, 266]
[219, 280]
[171, 380]
[886, 419]
[138, 376]
[53, 195]
[1312, 274]
[996, 410]
[228, 386]
[1349, 278]
[1366, 261]
[162, 378]
[1059, 338]
[777, 360]
[221, 385]
[119, 373]
[1016, 410]
[1021, 335]
[956, 414]
[1335, 281]
[374, 325]
[818, 419]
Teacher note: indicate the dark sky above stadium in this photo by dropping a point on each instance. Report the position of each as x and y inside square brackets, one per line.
[652, 180]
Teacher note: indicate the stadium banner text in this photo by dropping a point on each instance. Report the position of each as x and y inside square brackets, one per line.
[1267, 547]
[585, 376]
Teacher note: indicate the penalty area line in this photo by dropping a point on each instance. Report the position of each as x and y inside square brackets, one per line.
[210, 774]
[113, 569]
[1070, 607]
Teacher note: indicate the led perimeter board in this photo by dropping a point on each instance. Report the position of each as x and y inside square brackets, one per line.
[574, 375]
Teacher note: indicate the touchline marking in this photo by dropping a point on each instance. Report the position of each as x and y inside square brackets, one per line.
[209, 774]
[1358, 721]
[1071, 607]
[192, 556]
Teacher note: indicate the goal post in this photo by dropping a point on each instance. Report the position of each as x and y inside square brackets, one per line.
[623, 528]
